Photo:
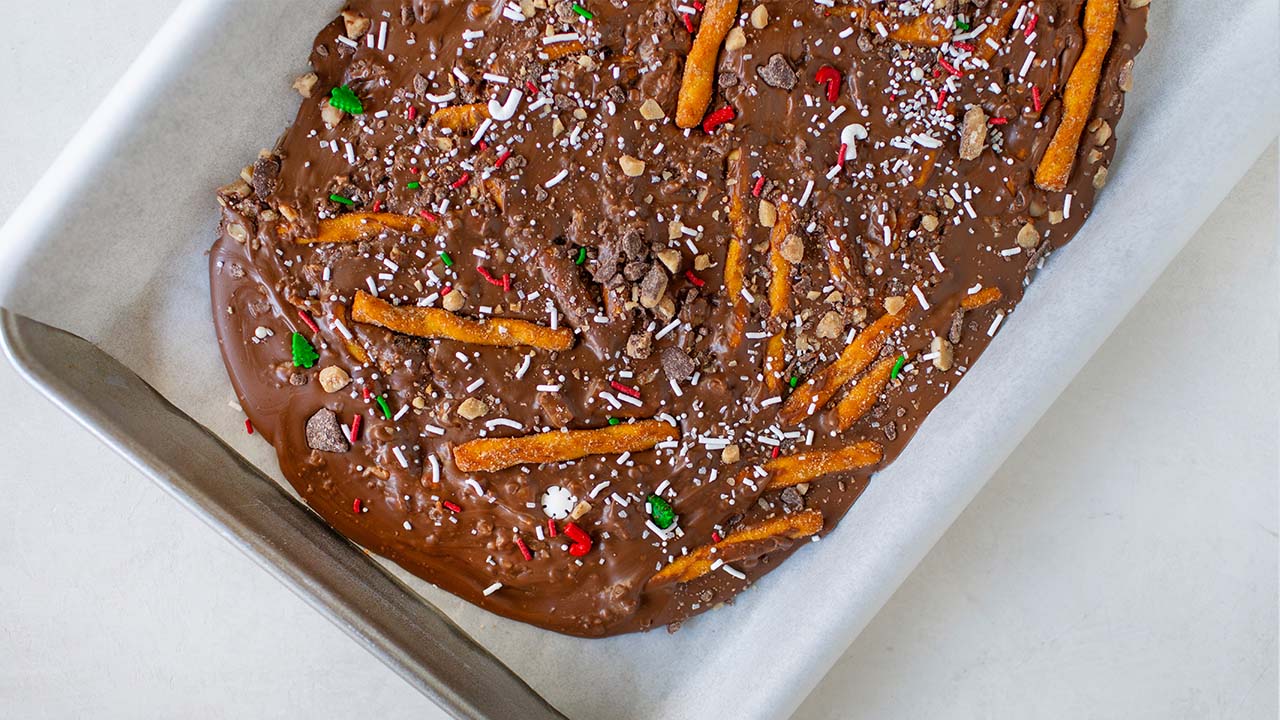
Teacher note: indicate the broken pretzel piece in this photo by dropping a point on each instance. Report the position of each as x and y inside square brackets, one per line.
[356, 226]
[919, 31]
[749, 541]
[982, 298]
[735, 263]
[788, 470]
[700, 66]
[492, 454]
[460, 117]
[1077, 98]
[560, 50]
[864, 393]
[441, 324]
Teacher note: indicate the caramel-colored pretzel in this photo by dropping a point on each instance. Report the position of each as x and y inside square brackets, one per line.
[995, 34]
[864, 393]
[441, 324]
[1077, 98]
[491, 454]
[735, 262]
[562, 49]
[360, 225]
[779, 298]
[787, 470]
[819, 389]
[460, 117]
[749, 541]
[700, 66]
[919, 31]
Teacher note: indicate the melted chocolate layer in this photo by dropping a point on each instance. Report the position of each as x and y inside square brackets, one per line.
[635, 263]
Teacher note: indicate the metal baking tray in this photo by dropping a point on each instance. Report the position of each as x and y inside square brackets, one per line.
[164, 111]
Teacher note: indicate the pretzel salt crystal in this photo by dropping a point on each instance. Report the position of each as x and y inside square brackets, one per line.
[1077, 98]
[700, 66]
[356, 226]
[492, 454]
[435, 323]
[749, 541]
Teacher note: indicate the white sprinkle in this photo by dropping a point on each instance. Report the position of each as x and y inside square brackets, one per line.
[524, 366]
[392, 266]
[382, 36]
[548, 388]
[348, 41]
[804, 198]
[624, 457]
[559, 38]
[920, 296]
[995, 324]
[400, 413]
[936, 262]
[472, 34]
[1031, 56]
[475, 385]
[503, 422]
[1010, 251]
[342, 328]
[491, 77]
[748, 296]
[492, 589]
[441, 99]
[433, 429]
[598, 489]
[395, 450]
[771, 401]
[734, 572]
[373, 289]
[435, 469]
[556, 180]
[1066, 206]
[667, 330]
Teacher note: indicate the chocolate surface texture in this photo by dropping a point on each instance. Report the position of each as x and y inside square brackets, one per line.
[784, 289]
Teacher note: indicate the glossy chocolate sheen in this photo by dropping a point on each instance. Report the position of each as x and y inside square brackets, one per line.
[883, 226]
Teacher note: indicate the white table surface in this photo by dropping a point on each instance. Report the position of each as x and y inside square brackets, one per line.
[1122, 563]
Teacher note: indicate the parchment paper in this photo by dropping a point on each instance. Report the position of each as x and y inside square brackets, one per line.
[111, 245]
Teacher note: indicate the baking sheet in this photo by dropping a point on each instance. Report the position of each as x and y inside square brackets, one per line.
[111, 245]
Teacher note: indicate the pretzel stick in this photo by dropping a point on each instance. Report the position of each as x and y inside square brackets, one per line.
[804, 467]
[915, 32]
[436, 323]
[460, 117]
[982, 298]
[864, 393]
[818, 390]
[749, 541]
[991, 38]
[491, 454]
[735, 264]
[779, 298]
[356, 226]
[700, 65]
[562, 49]
[1077, 98]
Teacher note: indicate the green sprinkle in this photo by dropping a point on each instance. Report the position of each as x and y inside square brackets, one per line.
[303, 354]
[582, 256]
[386, 410]
[340, 199]
[414, 185]
[448, 261]
[583, 11]
[897, 367]
[614, 421]
[345, 100]
[795, 380]
[661, 512]
[961, 25]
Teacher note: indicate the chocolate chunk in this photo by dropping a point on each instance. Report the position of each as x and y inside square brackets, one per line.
[324, 432]
[727, 79]
[617, 95]
[640, 345]
[266, 176]
[298, 379]
[891, 430]
[792, 500]
[778, 73]
[677, 364]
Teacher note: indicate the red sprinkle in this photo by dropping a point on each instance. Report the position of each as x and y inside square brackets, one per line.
[948, 66]
[1031, 26]
[461, 181]
[307, 319]
[755, 191]
[484, 146]
[413, 170]
[427, 215]
[504, 282]
[413, 113]
[377, 205]
[688, 22]
[447, 289]
[551, 527]
[1035, 98]
[624, 389]
[718, 118]
[830, 77]
[524, 549]
[581, 540]
[844, 150]
[356, 506]
[775, 452]
[532, 88]
[964, 46]
[998, 121]
[942, 100]
[364, 393]
[715, 536]
[248, 426]
[694, 278]
[355, 427]
[698, 6]
[453, 507]
[502, 158]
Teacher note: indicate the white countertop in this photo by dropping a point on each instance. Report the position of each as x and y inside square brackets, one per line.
[1122, 563]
